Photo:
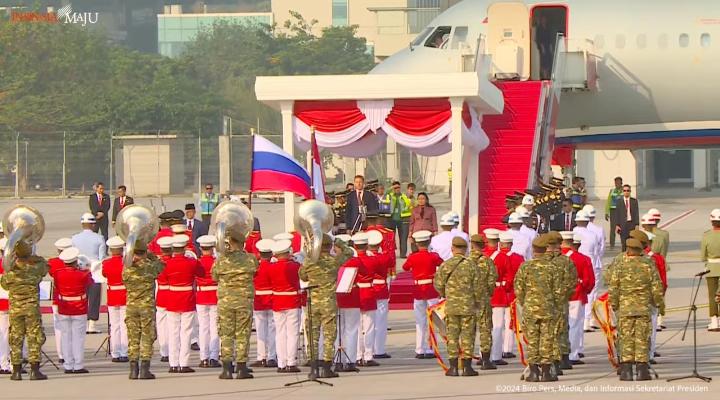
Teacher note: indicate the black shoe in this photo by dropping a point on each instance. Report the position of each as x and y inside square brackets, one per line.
[227, 370]
[508, 355]
[555, 369]
[350, 367]
[652, 362]
[123, 359]
[242, 371]
[165, 359]
[581, 355]
[577, 362]
[499, 362]
[145, 370]
[204, 364]
[186, 370]
[292, 369]
[429, 356]
[565, 362]
[663, 327]
[214, 363]
[643, 372]
[485, 363]
[588, 330]
[371, 363]
[195, 347]
[385, 355]
[546, 375]
[271, 364]
[68, 371]
[81, 371]
[467, 368]
[360, 363]
[533, 374]
[626, 372]
[134, 370]
[656, 354]
[116, 360]
[420, 356]
[282, 370]
[453, 368]
[61, 360]
[326, 370]
[35, 374]
[174, 370]
[5, 372]
[259, 364]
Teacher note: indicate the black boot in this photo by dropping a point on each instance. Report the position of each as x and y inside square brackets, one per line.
[485, 362]
[626, 372]
[453, 370]
[643, 372]
[556, 370]
[134, 369]
[227, 370]
[546, 374]
[242, 371]
[16, 372]
[145, 370]
[326, 370]
[35, 374]
[467, 368]
[565, 362]
[534, 374]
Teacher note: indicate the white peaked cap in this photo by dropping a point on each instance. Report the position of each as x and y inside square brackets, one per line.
[522, 212]
[281, 246]
[283, 236]
[115, 242]
[655, 213]
[528, 200]
[374, 238]
[344, 237]
[515, 218]
[648, 219]
[422, 236]
[63, 243]
[165, 242]
[179, 228]
[265, 245]
[567, 235]
[715, 215]
[87, 218]
[577, 238]
[590, 210]
[491, 233]
[69, 255]
[506, 237]
[581, 216]
[180, 241]
[207, 241]
[360, 238]
[447, 220]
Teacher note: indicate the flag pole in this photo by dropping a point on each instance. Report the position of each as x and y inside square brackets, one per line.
[252, 153]
[311, 161]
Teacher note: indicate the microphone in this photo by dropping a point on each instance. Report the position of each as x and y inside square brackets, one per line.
[703, 273]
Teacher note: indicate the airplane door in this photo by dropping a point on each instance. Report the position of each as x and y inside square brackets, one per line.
[508, 40]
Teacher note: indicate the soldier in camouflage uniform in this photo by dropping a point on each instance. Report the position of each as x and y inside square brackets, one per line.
[22, 281]
[234, 272]
[458, 281]
[537, 291]
[488, 277]
[139, 282]
[634, 287]
[323, 274]
[566, 277]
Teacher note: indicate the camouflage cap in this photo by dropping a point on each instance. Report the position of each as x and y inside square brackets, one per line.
[22, 249]
[140, 246]
[633, 243]
[457, 241]
[327, 240]
[639, 235]
[541, 241]
[477, 238]
[554, 237]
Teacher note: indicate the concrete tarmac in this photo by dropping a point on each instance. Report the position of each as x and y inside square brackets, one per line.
[403, 377]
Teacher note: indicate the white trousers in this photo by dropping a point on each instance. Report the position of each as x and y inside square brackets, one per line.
[508, 335]
[592, 296]
[422, 345]
[118, 332]
[381, 324]
[179, 328]
[576, 328]
[208, 338]
[58, 334]
[498, 320]
[4, 341]
[653, 331]
[195, 329]
[366, 335]
[162, 332]
[73, 340]
[287, 332]
[349, 325]
[265, 334]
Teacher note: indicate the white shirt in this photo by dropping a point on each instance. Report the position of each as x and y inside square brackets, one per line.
[588, 243]
[442, 244]
[529, 232]
[600, 248]
[521, 244]
[90, 244]
[458, 232]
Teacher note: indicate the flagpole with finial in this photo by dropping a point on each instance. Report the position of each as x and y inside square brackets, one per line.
[252, 154]
[310, 161]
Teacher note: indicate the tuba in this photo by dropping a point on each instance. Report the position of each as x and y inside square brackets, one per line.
[313, 219]
[21, 223]
[135, 224]
[230, 219]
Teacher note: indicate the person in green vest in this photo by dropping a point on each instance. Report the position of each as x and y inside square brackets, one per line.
[400, 212]
[208, 202]
[615, 193]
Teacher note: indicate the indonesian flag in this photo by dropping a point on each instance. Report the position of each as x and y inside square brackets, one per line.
[318, 175]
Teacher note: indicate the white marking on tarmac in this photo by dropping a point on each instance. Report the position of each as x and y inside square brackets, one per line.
[673, 220]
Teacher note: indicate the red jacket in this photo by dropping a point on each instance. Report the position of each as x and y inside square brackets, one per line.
[661, 267]
[499, 296]
[487, 250]
[181, 272]
[112, 269]
[4, 303]
[263, 286]
[71, 285]
[153, 246]
[285, 285]
[205, 285]
[585, 274]
[55, 264]
[251, 241]
[511, 269]
[366, 266]
[423, 264]
[380, 274]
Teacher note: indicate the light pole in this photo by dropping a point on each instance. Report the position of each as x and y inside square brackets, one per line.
[25, 171]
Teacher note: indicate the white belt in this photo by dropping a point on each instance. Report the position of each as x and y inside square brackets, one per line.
[163, 287]
[116, 287]
[263, 292]
[364, 285]
[180, 288]
[498, 284]
[423, 281]
[295, 293]
[71, 298]
[379, 282]
[713, 260]
[206, 288]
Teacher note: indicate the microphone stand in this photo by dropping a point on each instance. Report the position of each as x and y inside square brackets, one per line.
[693, 312]
[314, 367]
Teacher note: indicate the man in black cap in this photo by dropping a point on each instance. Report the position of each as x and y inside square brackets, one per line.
[194, 225]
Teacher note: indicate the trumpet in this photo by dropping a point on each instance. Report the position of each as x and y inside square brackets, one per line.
[313, 219]
[22, 224]
[136, 224]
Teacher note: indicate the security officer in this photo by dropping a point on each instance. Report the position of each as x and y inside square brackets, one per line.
[112, 268]
[22, 281]
[234, 272]
[139, 281]
[710, 254]
[399, 215]
[537, 292]
[487, 284]
[92, 246]
[634, 287]
[458, 280]
[208, 202]
[566, 280]
[323, 274]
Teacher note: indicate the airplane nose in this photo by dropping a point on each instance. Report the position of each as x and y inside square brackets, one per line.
[397, 63]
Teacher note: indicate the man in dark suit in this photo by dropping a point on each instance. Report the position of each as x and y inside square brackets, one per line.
[627, 214]
[194, 225]
[360, 203]
[121, 200]
[100, 207]
[565, 219]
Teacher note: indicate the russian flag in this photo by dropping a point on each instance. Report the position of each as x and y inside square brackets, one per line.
[274, 170]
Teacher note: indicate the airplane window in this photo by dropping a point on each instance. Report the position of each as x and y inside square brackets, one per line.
[599, 41]
[620, 41]
[439, 39]
[641, 41]
[422, 36]
[684, 40]
[705, 40]
[459, 37]
[663, 41]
